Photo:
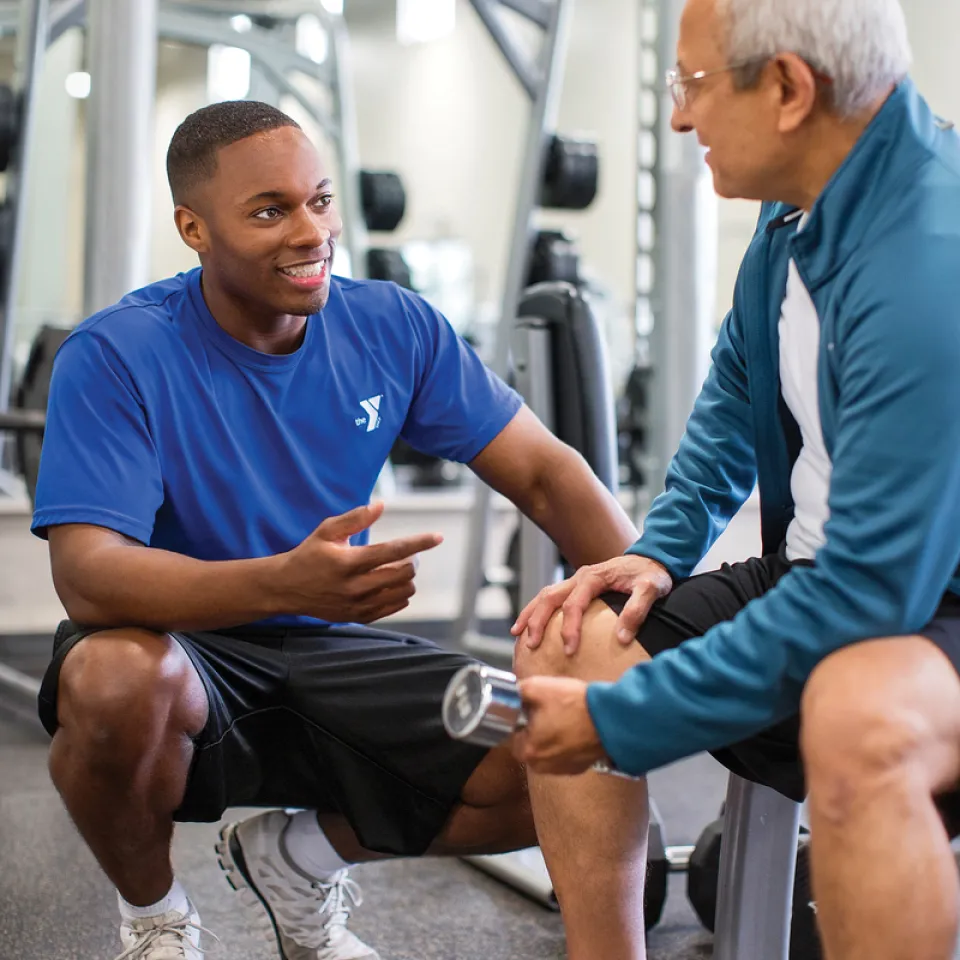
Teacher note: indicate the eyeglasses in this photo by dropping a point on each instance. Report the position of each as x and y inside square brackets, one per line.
[677, 84]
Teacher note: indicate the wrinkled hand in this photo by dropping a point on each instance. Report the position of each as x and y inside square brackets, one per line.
[559, 737]
[643, 579]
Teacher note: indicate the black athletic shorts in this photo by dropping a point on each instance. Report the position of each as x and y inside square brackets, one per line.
[339, 719]
[697, 603]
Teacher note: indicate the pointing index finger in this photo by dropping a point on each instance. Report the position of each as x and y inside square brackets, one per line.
[390, 551]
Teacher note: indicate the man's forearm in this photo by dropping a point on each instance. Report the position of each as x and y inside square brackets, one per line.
[123, 586]
[579, 514]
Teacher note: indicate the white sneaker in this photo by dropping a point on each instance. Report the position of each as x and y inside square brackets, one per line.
[309, 917]
[171, 936]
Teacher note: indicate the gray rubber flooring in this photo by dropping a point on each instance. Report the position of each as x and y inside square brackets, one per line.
[56, 905]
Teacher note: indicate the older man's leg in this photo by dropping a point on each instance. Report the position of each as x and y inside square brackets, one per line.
[592, 828]
[880, 736]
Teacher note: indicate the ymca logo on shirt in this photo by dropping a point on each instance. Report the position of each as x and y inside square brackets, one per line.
[372, 408]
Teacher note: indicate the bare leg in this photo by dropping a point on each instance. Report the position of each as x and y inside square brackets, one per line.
[881, 734]
[128, 703]
[592, 828]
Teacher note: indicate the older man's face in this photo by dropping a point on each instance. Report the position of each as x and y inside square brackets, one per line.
[739, 128]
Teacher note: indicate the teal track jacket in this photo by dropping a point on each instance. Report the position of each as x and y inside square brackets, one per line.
[880, 256]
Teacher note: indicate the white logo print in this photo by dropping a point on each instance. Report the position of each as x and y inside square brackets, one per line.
[372, 408]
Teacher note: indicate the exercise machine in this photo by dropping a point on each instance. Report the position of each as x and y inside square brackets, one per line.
[557, 173]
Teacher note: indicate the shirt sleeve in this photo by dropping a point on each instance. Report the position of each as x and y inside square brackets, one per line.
[714, 468]
[459, 405]
[98, 463]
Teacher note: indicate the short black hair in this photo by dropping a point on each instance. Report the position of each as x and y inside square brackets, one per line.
[192, 156]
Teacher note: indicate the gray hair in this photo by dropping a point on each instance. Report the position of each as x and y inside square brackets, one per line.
[862, 45]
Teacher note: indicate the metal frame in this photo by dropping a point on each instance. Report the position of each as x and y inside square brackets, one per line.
[757, 867]
[31, 44]
[647, 233]
[534, 381]
[122, 43]
[542, 81]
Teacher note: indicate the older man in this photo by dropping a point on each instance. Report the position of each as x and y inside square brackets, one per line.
[827, 667]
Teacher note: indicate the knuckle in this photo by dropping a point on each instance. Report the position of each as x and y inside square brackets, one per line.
[355, 590]
[570, 605]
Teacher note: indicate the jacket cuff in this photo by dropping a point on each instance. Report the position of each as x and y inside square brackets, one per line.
[673, 565]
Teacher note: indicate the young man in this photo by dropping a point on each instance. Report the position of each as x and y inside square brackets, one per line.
[828, 666]
[211, 447]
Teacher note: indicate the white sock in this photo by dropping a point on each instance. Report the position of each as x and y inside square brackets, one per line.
[174, 902]
[308, 849]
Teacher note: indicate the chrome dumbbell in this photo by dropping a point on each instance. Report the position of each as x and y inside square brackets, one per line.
[482, 705]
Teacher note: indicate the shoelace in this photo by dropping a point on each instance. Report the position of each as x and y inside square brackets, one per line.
[337, 897]
[339, 890]
[170, 936]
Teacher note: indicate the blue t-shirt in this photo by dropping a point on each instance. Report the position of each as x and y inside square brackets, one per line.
[163, 427]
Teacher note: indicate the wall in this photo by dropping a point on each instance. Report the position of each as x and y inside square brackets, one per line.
[935, 36]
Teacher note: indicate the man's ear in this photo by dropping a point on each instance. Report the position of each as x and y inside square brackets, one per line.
[798, 91]
[192, 228]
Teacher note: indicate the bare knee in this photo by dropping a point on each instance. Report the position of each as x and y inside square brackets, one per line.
[599, 654]
[548, 659]
[859, 738]
[122, 691]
